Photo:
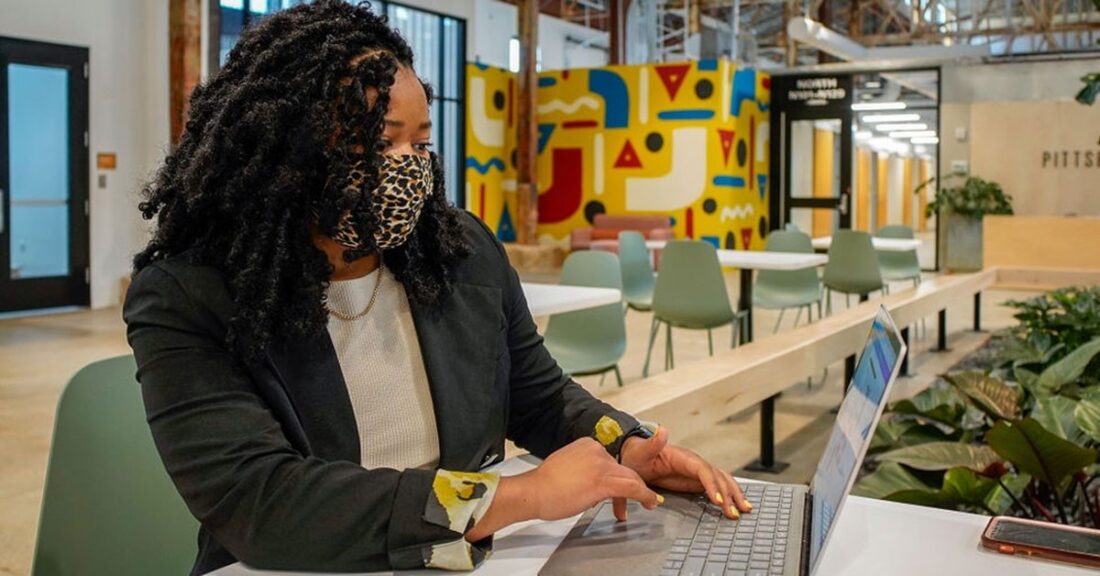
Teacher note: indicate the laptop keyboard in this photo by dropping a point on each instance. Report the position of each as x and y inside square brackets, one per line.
[754, 545]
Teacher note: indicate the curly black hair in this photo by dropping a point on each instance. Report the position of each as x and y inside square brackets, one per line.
[269, 143]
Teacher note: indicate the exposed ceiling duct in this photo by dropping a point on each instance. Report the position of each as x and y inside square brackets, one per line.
[817, 35]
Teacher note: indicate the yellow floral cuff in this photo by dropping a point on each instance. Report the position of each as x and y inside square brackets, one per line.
[457, 502]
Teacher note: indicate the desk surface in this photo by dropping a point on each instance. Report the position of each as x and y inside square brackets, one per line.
[882, 244]
[546, 299]
[873, 537]
[757, 260]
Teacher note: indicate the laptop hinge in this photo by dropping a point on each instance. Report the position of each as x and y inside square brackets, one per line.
[807, 521]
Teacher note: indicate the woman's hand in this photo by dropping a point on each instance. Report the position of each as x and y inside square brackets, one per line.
[681, 470]
[568, 482]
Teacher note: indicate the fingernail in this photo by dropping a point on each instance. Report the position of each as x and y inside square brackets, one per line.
[748, 504]
[734, 512]
[718, 497]
[660, 499]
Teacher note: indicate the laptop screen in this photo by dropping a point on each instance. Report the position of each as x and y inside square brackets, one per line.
[854, 426]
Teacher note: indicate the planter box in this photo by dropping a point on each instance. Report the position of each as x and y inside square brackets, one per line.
[962, 240]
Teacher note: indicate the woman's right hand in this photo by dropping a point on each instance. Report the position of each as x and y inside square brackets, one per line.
[570, 481]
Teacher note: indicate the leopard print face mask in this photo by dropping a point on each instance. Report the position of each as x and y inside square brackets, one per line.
[406, 182]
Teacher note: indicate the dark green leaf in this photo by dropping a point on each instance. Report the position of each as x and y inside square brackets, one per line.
[961, 487]
[1035, 451]
[887, 479]
[1070, 368]
[999, 500]
[941, 405]
[1055, 413]
[991, 395]
[942, 456]
[1087, 414]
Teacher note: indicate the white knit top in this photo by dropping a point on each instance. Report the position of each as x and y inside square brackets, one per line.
[384, 372]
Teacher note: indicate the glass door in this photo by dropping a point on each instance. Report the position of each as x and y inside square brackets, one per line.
[43, 176]
[817, 178]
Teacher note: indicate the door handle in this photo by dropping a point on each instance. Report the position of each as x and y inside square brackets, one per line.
[843, 203]
[2, 213]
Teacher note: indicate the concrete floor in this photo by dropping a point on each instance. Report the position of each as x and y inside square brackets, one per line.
[39, 354]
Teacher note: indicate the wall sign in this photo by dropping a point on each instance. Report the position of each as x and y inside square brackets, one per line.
[810, 92]
[1071, 158]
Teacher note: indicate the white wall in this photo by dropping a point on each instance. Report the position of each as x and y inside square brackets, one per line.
[128, 110]
[496, 23]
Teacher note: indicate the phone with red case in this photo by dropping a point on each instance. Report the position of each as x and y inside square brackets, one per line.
[1048, 540]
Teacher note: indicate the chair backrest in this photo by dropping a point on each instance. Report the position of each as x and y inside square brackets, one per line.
[853, 264]
[601, 329]
[690, 290]
[109, 506]
[801, 285]
[638, 278]
[898, 265]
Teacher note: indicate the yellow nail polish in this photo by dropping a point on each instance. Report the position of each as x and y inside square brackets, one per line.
[718, 498]
[660, 499]
[734, 512]
[749, 504]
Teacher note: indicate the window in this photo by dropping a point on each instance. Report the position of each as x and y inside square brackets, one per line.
[513, 56]
[439, 46]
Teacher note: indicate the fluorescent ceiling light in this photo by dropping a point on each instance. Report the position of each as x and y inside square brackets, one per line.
[863, 135]
[876, 118]
[926, 140]
[873, 84]
[914, 134]
[899, 127]
[864, 106]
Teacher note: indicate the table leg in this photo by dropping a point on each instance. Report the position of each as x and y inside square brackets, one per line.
[905, 360]
[978, 312]
[744, 304]
[941, 336]
[766, 462]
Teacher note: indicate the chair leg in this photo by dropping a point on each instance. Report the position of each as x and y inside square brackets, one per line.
[670, 363]
[710, 342]
[829, 301]
[618, 376]
[798, 316]
[602, 376]
[847, 300]
[819, 316]
[649, 351]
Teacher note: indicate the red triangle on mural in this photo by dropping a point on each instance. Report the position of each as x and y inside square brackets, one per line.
[628, 158]
[673, 76]
[746, 238]
[726, 137]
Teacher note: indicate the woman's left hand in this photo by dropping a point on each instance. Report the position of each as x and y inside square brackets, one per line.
[681, 470]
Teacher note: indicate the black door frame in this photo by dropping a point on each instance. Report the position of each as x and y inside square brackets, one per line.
[74, 289]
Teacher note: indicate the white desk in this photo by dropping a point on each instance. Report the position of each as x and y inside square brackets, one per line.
[873, 538]
[546, 299]
[881, 244]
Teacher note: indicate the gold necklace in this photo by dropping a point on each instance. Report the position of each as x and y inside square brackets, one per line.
[374, 296]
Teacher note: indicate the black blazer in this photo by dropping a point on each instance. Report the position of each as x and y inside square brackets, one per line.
[266, 454]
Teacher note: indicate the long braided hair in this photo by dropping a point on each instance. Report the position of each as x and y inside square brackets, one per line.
[264, 163]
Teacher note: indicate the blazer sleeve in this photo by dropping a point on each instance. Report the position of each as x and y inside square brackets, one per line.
[547, 409]
[268, 504]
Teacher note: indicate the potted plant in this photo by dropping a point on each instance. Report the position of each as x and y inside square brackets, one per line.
[962, 200]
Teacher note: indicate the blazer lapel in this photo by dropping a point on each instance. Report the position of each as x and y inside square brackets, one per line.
[458, 341]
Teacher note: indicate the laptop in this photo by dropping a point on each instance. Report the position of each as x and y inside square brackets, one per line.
[784, 535]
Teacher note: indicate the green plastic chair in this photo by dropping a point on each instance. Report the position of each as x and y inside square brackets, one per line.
[690, 293]
[783, 289]
[109, 507]
[590, 341]
[852, 267]
[638, 277]
[898, 265]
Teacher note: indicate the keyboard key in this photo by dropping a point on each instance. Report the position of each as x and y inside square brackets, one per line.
[693, 567]
[714, 569]
[667, 572]
[758, 565]
[679, 550]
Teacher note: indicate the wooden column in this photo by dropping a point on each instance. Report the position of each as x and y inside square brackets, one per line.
[527, 186]
[616, 25]
[184, 59]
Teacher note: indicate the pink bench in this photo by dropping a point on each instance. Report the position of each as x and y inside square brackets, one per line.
[604, 234]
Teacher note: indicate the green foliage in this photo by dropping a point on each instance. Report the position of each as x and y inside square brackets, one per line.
[962, 488]
[943, 456]
[1068, 316]
[1035, 451]
[991, 395]
[888, 479]
[1088, 94]
[974, 197]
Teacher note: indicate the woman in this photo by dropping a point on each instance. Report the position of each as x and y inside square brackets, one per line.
[329, 352]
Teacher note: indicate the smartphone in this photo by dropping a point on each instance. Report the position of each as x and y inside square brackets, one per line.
[1048, 540]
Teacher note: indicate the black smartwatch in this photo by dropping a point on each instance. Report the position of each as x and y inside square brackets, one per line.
[642, 430]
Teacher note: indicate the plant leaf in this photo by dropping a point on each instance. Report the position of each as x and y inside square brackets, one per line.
[1056, 414]
[887, 479]
[941, 405]
[943, 456]
[961, 486]
[998, 499]
[1087, 414]
[1069, 368]
[1035, 451]
[991, 395]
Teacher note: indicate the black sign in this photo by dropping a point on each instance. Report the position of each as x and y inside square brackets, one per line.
[812, 92]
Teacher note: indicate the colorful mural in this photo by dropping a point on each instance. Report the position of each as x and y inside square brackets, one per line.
[688, 140]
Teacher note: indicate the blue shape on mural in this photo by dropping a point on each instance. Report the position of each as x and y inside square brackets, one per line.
[713, 241]
[729, 181]
[708, 64]
[546, 81]
[762, 182]
[545, 130]
[481, 65]
[692, 114]
[616, 100]
[506, 232]
[483, 169]
[672, 221]
[744, 88]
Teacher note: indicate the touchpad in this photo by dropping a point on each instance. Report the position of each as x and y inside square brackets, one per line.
[640, 523]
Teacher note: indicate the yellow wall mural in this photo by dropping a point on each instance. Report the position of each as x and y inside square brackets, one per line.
[688, 140]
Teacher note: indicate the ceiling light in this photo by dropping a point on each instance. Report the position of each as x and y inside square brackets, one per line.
[913, 134]
[926, 140]
[864, 106]
[873, 84]
[899, 127]
[863, 135]
[876, 118]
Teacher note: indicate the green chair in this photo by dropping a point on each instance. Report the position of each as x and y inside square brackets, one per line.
[690, 293]
[898, 266]
[638, 276]
[590, 341]
[109, 507]
[783, 289]
[852, 267]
